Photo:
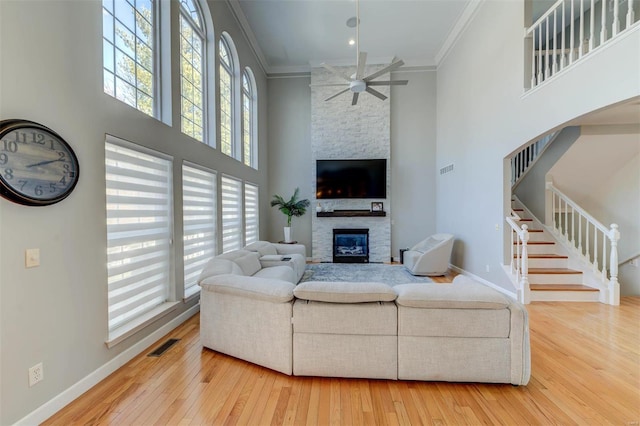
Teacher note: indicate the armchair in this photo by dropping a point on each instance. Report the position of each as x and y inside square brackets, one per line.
[430, 256]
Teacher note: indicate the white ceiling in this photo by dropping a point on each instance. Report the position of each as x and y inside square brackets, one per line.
[293, 35]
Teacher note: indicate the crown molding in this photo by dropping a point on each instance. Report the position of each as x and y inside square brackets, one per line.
[241, 19]
[458, 29]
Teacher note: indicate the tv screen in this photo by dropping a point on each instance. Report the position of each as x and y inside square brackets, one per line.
[351, 179]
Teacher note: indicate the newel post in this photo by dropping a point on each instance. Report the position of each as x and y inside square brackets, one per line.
[614, 285]
[524, 270]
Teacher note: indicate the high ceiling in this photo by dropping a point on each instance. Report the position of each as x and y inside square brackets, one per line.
[293, 35]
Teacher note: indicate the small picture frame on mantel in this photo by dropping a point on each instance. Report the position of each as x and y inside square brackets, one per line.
[377, 206]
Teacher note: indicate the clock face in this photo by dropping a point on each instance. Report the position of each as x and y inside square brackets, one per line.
[37, 167]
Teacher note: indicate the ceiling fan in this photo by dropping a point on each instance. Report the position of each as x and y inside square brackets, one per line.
[358, 82]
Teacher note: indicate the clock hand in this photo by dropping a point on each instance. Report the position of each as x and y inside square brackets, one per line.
[42, 163]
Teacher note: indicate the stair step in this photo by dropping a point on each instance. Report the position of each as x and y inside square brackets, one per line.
[536, 242]
[561, 287]
[553, 271]
[546, 256]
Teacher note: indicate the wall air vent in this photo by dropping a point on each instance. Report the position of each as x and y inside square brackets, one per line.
[446, 169]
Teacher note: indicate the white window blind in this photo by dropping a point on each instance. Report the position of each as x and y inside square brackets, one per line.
[199, 223]
[231, 213]
[251, 214]
[139, 218]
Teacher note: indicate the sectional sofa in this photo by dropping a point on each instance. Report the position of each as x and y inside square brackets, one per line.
[463, 332]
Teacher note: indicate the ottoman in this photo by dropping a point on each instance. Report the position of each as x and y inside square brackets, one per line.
[461, 332]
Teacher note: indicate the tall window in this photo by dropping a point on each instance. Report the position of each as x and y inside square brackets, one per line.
[249, 108]
[192, 70]
[251, 214]
[226, 98]
[129, 52]
[231, 213]
[139, 218]
[199, 227]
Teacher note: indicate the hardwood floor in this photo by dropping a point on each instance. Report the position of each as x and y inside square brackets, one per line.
[585, 370]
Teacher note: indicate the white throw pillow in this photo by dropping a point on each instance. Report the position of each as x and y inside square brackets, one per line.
[249, 263]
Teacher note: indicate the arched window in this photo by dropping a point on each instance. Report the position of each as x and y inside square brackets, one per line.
[193, 39]
[249, 119]
[227, 97]
[129, 38]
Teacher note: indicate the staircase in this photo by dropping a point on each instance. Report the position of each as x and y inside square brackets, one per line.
[549, 275]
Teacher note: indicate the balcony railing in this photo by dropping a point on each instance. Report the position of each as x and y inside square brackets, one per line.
[571, 29]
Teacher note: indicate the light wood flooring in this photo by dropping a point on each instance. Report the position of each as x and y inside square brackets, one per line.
[585, 371]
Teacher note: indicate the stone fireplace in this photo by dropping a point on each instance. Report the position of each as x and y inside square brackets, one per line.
[350, 245]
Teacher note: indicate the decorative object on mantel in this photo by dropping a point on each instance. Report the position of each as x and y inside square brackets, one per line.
[293, 207]
[358, 83]
[351, 213]
[377, 206]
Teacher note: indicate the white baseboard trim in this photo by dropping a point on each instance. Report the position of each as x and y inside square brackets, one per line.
[58, 402]
[504, 291]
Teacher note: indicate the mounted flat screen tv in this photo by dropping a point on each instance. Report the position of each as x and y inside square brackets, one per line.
[351, 179]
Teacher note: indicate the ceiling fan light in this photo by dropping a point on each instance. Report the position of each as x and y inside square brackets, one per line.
[358, 86]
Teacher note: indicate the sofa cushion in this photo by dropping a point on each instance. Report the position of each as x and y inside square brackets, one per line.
[462, 294]
[271, 290]
[345, 292]
[279, 272]
[217, 266]
[249, 263]
[262, 247]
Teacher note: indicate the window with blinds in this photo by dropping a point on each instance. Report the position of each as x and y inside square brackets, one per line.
[139, 218]
[231, 213]
[199, 223]
[251, 214]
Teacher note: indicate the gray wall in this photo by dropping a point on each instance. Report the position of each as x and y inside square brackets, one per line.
[531, 189]
[483, 116]
[413, 167]
[51, 72]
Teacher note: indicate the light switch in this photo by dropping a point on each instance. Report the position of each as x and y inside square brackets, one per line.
[32, 258]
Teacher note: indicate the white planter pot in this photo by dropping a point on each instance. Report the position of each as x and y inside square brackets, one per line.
[287, 234]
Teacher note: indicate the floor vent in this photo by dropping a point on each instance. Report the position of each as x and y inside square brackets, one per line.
[164, 347]
[446, 169]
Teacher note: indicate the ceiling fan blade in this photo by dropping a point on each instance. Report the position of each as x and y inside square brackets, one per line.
[335, 72]
[376, 93]
[388, 83]
[329, 85]
[384, 70]
[362, 61]
[355, 98]
[338, 94]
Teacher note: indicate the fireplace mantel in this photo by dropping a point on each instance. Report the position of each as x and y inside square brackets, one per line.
[351, 213]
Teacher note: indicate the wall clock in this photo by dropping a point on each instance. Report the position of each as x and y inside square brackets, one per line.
[37, 166]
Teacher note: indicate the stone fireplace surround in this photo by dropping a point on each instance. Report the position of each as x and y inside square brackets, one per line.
[342, 131]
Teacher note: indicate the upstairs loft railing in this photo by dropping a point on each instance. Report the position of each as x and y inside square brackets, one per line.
[571, 29]
[587, 237]
[522, 161]
[519, 256]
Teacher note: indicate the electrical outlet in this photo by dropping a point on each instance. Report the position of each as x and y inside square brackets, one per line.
[36, 374]
[488, 268]
[634, 262]
[32, 258]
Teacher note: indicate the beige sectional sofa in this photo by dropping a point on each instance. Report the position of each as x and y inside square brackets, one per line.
[463, 332]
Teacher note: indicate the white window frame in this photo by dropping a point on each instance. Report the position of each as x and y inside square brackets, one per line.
[112, 21]
[198, 31]
[251, 213]
[232, 213]
[249, 106]
[139, 191]
[200, 217]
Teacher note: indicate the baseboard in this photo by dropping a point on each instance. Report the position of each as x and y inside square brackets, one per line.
[485, 282]
[58, 402]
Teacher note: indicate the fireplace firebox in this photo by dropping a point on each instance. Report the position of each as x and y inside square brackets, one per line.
[351, 245]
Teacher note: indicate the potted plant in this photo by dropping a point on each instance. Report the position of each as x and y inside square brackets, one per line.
[293, 207]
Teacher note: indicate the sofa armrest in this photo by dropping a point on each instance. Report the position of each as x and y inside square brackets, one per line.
[267, 289]
[291, 249]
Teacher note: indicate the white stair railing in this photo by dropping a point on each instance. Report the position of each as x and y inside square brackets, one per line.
[587, 237]
[568, 31]
[523, 160]
[520, 256]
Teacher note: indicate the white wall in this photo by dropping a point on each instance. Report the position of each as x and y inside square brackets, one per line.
[482, 116]
[51, 72]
